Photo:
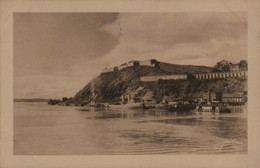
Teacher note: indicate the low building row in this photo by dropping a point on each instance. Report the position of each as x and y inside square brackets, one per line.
[163, 77]
[216, 97]
[218, 75]
[207, 76]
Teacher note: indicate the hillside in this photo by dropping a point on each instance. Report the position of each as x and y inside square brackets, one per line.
[109, 87]
[179, 69]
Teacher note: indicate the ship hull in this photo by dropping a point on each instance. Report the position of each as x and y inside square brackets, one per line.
[126, 106]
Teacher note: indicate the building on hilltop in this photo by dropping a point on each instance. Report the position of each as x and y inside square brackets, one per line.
[243, 65]
[133, 63]
[115, 68]
[234, 67]
[151, 63]
[226, 66]
[223, 65]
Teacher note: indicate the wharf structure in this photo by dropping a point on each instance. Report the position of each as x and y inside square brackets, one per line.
[221, 102]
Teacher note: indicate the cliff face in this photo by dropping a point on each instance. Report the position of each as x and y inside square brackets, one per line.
[109, 87]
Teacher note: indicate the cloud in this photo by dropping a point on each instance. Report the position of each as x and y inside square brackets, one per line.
[178, 37]
[60, 58]
[51, 43]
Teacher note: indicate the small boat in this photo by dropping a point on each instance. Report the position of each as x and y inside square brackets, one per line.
[92, 104]
[127, 105]
[105, 105]
[83, 109]
[148, 106]
[181, 107]
[133, 105]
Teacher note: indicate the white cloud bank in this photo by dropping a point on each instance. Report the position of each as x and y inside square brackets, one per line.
[184, 38]
[181, 38]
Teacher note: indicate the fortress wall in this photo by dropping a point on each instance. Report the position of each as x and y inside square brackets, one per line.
[128, 64]
[163, 77]
[218, 75]
[107, 70]
[146, 63]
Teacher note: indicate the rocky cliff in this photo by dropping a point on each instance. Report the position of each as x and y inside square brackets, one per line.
[108, 87]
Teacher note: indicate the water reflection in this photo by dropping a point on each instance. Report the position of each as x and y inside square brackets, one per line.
[105, 113]
[213, 124]
[43, 129]
[231, 128]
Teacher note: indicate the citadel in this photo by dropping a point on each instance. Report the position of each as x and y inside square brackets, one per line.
[223, 69]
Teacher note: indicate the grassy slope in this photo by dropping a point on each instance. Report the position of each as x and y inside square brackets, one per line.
[180, 69]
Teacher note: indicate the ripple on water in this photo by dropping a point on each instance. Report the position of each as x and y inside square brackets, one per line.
[77, 130]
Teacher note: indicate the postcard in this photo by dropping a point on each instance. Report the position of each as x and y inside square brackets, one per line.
[130, 84]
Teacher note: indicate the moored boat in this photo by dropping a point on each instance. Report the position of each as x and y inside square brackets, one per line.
[127, 105]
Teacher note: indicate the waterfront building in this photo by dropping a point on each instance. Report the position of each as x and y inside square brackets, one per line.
[199, 98]
[213, 97]
[207, 108]
[236, 109]
[233, 98]
[205, 96]
[219, 96]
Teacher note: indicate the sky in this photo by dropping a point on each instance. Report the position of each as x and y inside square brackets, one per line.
[57, 54]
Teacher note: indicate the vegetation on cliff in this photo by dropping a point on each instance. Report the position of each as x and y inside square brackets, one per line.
[108, 87]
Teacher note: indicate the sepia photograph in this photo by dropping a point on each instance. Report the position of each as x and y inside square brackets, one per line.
[125, 84]
[130, 83]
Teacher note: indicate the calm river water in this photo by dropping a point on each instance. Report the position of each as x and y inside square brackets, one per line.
[41, 129]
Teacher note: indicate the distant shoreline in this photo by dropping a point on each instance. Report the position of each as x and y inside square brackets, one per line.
[30, 100]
